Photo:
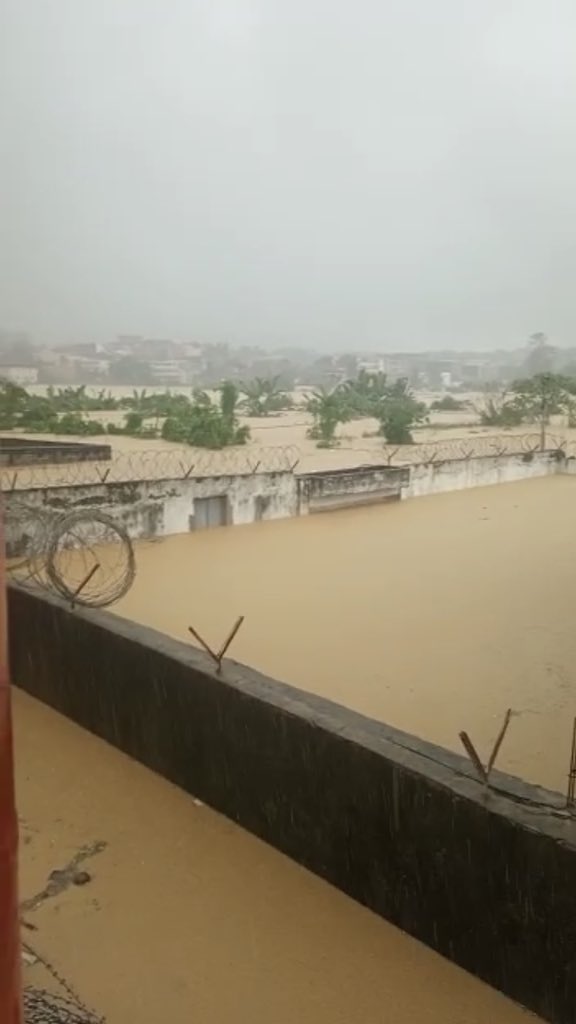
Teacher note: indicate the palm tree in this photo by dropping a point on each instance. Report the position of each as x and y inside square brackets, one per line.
[71, 399]
[365, 392]
[398, 412]
[264, 396]
[329, 408]
[204, 424]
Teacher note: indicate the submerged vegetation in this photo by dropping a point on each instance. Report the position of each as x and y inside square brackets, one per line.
[369, 395]
[264, 397]
[197, 421]
[532, 400]
[212, 420]
[204, 424]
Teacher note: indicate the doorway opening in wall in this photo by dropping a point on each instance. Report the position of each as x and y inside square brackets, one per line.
[210, 512]
[261, 505]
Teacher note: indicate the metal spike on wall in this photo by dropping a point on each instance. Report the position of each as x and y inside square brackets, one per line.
[484, 772]
[218, 655]
[571, 795]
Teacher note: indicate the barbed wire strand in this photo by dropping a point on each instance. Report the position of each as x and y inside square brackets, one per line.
[181, 463]
[85, 556]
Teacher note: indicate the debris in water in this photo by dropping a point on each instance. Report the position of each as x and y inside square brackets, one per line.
[81, 878]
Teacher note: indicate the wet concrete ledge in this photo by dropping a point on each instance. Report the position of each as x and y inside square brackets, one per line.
[486, 877]
[20, 451]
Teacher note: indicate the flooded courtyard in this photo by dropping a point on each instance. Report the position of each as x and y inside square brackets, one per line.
[187, 917]
[434, 615]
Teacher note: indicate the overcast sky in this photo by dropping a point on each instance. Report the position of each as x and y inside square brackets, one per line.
[391, 174]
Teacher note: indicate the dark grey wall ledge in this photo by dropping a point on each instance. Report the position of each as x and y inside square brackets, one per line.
[485, 876]
[20, 451]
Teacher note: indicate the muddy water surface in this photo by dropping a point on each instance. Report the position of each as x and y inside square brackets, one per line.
[434, 615]
[187, 918]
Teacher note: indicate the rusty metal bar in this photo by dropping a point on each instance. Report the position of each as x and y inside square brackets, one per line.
[572, 772]
[498, 743]
[471, 751]
[229, 639]
[203, 643]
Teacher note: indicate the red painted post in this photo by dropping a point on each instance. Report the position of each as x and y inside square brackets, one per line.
[10, 979]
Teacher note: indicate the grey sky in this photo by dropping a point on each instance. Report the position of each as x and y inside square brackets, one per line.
[370, 174]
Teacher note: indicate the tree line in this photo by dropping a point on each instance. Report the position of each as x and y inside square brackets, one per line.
[197, 420]
[370, 396]
[532, 400]
[203, 422]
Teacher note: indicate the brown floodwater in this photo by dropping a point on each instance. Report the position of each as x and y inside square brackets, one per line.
[434, 615]
[189, 918]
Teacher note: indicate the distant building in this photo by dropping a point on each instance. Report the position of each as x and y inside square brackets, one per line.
[393, 366]
[375, 365]
[89, 367]
[169, 371]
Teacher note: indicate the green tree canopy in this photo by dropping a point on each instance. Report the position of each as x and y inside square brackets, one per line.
[204, 424]
[365, 392]
[329, 408]
[398, 412]
[540, 397]
[264, 396]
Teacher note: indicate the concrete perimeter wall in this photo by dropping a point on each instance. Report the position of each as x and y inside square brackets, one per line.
[569, 466]
[156, 508]
[344, 488]
[20, 451]
[487, 878]
[482, 471]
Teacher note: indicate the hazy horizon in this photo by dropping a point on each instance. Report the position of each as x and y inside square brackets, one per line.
[378, 176]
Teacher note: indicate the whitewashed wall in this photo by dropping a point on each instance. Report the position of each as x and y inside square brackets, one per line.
[569, 467]
[460, 474]
[345, 488]
[159, 508]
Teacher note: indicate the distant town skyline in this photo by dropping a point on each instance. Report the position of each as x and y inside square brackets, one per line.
[13, 335]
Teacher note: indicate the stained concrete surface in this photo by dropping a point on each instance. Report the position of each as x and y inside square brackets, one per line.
[187, 917]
